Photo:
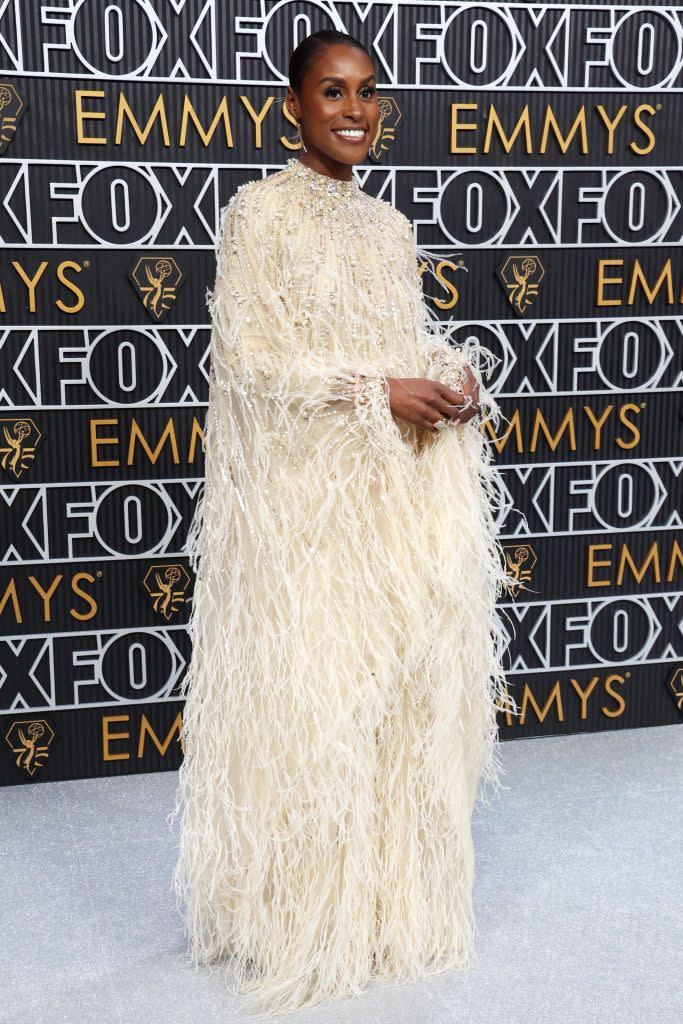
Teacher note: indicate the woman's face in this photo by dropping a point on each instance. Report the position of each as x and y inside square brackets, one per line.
[337, 91]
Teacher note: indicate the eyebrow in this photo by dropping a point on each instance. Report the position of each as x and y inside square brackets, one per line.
[333, 78]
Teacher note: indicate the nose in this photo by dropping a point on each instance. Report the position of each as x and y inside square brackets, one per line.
[353, 109]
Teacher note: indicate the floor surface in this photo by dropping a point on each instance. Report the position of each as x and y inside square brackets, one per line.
[578, 900]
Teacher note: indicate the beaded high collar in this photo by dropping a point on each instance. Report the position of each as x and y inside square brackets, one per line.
[323, 184]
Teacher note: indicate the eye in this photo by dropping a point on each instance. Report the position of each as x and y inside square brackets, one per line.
[367, 89]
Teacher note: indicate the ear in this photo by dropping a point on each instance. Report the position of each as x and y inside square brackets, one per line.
[292, 103]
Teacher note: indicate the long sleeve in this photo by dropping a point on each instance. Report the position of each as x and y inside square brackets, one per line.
[442, 360]
[291, 412]
[256, 333]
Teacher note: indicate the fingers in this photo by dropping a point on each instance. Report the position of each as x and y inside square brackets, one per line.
[451, 410]
[431, 415]
[440, 402]
[467, 400]
[429, 426]
[448, 394]
[428, 417]
[445, 403]
[462, 412]
[470, 409]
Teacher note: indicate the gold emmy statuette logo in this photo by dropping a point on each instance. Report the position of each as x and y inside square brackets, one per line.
[675, 684]
[389, 116]
[521, 276]
[167, 584]
[520, 559]
[12, 107]
[157, 280]
[18, 442]
[30, 741]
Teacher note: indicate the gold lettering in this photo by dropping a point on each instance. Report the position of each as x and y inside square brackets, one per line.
[621, 703]
[11, 595]
[578, 125]
[88, 598]
[257, 118]
[609, 124]
[465, 126]
[96, 442]
[136, 434]
[206, 136]
[646, 130]
[597, 423]
[554, 697]
[541, 425]
[584, 694]
[523, 121]
[623, 417]
[602, 281]
[514, 425]
[147, 730]
[197, 433]
[651, 556]
[158, 111]
[639, 277]
[61, 277]
[593, 562]
[448, 285]
[30, 282]
[46, 595]
[88, 115]
[108, 736]
[283, 138]
[650, 561]
[676, 559]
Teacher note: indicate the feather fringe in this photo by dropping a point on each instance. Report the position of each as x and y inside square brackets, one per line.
[340, 703]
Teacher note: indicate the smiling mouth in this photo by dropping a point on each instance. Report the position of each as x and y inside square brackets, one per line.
[351, 134]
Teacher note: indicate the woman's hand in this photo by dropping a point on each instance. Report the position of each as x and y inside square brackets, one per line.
[470, 392]
[422, 401]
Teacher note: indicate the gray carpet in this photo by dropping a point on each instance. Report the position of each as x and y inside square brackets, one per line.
[578, 898]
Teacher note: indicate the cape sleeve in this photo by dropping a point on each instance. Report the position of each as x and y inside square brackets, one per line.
[257, 345]
[441, 359]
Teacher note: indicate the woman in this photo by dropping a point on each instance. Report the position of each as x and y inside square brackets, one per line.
[342, 692]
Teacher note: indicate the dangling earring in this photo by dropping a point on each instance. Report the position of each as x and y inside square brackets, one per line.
[298, 128]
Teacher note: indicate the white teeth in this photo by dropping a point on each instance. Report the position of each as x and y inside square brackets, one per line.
[353, 133]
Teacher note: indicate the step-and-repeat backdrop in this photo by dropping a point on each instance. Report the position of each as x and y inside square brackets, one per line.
[537, 150]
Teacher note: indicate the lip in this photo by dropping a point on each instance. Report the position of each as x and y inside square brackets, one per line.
[350, 142]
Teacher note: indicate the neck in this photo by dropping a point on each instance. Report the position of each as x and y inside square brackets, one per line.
[332, 168]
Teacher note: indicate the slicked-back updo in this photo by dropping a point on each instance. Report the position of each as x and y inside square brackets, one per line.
[310, 48]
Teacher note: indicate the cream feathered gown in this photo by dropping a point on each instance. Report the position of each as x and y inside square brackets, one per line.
[346, 670]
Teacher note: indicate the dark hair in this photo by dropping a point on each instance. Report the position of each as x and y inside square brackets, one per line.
[309, 48]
